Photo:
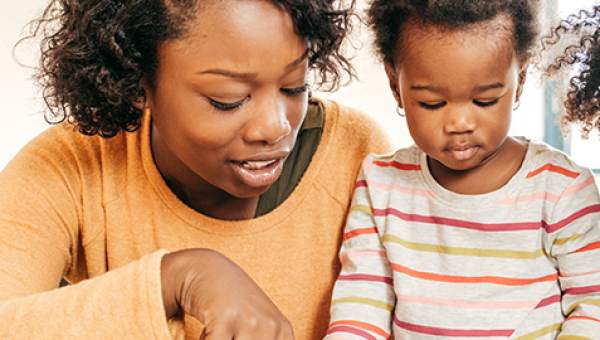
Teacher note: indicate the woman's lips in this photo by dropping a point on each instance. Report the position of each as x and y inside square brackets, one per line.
[258, 173]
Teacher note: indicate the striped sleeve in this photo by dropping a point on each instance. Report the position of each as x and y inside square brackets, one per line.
[363, 297]
[574, 240]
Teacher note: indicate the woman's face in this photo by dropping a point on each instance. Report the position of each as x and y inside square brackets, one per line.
[229, 100]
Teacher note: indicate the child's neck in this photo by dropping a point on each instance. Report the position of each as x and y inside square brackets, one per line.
[486, 178]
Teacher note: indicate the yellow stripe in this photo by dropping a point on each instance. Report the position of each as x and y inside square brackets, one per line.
[464, 251]
[573, 337]
[539, 333]
[539, 151]
[363, 208]
[568, 160]
[364, 301]
[584, 302]
[561, 241]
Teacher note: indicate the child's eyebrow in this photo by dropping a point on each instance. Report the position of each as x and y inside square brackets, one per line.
[480, 88]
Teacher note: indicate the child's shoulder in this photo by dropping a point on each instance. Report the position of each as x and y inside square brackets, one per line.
[544, 159]
[404, 159]
[543, 154]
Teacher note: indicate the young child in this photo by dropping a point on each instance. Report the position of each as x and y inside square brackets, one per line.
[470, 233]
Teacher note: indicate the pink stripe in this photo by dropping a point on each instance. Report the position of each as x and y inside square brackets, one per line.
[467, 304]
[548, 301]
[538, 196]
[401, 189]
[366, 277]
[578, 187]
[398, 165]
[452, 332]
[361, 183]
[361, 253]
[550, 228]
[582, 290]
[367, 164]
[457, 223]
[351, 330]
[579, 274]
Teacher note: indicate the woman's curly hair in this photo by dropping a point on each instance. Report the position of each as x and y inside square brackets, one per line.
[95, 53]
[388, 19]
[578, 40]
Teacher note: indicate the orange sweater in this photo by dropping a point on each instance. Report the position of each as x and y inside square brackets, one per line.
[81, 207]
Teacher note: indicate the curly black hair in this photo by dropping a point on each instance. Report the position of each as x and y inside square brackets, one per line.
[388, 19]
[95, 53]
[580, 59]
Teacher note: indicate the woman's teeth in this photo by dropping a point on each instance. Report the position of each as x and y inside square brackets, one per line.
[256, 165]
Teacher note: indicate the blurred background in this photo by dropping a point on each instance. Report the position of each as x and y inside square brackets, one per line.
[22, 107]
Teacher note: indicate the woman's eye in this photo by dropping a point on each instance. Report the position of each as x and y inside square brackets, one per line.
[432, 106]
[486, 104]
[226, 106]
[298, 90]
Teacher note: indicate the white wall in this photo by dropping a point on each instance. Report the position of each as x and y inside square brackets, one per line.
[21, 107]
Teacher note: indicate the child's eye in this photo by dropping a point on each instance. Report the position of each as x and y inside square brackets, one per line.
[227, 106]
[432, 106]
[298, 90]
[486, 104]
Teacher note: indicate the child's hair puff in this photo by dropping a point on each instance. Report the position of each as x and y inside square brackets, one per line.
[388, 19]
[94, 54]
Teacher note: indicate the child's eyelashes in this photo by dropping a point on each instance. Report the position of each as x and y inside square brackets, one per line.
[432, 106]
[442, 104]
[486, 104]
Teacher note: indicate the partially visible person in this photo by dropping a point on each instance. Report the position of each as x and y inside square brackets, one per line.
[470, 233]
[573, 47]
[192, 176]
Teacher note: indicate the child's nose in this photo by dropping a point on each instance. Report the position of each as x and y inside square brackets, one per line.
[460, 120]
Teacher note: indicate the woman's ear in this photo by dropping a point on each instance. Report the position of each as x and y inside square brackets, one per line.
[142, 100]
[394, 84]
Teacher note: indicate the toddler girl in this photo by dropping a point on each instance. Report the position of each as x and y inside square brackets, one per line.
[470, 233]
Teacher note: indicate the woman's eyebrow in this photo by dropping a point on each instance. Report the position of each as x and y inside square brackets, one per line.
[238, 75]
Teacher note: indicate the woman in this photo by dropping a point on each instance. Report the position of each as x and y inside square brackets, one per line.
[192, 175]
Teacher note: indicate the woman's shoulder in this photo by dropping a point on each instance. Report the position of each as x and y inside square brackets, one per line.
[355, 129]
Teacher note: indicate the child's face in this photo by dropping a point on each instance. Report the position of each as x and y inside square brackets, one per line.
[458, 89]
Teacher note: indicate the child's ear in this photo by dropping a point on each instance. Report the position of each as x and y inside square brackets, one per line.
[521, 84]
[394, 84]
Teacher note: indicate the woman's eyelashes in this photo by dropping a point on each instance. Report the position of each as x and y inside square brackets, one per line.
[295, 91]
[230, 106]
[227, 106]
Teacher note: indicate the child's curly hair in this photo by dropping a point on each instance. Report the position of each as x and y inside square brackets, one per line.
[388, 20]
[581, 35]
[94, 53]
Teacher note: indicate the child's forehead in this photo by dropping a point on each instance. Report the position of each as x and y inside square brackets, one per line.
[421, 37]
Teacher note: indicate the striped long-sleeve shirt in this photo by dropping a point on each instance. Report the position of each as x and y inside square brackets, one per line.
[422, 262]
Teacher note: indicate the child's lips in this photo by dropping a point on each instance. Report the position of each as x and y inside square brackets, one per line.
[463, 152]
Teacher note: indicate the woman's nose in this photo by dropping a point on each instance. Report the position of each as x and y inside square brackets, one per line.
[268, 123]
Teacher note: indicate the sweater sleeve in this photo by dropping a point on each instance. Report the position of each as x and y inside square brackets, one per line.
[41, 211]
[575, 234]
[363, 296]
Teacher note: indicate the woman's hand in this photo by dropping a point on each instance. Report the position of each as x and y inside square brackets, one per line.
[207, 285]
